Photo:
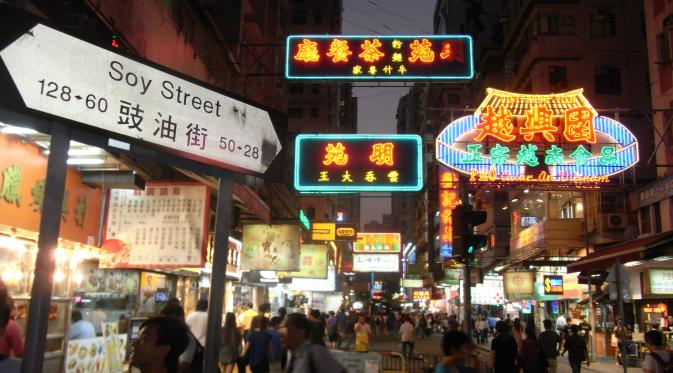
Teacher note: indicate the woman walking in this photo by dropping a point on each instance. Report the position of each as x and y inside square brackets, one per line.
[531, 358]
[231, 344]
[258, 346]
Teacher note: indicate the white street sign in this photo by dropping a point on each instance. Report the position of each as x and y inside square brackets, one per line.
[67, 77]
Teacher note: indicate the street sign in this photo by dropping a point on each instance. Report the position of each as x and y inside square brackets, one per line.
[346, 232]
[358, 163]
[323, 231]
[99, 88]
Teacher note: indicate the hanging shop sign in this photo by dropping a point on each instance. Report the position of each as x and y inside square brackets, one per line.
[377, 243]
[449, 199]
[553, 284]
[376, 263]
[489, 292]
[452, 277]
[270, 247]
[380, 57]
[660, 281]
[323, 231]
[358, 163]
[313, 260]
[346, 232]
[537, 138]
[315, 284]
[519, 285]
[120, 95]
[23, 169]
[411, 282]
[164, 226]
[420, 295]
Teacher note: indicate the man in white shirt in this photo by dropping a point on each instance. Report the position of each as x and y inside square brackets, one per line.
[407, 336]
[198, 321]
[561, 323]
[658, 360]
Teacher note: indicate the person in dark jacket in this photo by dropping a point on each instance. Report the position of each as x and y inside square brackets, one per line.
[577, 349]
[531, 353]
[550, 342]
[504, 350]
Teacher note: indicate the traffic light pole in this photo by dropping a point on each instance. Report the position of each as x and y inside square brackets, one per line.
[467, 294]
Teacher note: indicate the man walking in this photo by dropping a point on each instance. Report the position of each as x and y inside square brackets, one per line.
[407, 337]
[551, 344]
[577, 349]
[504, 350]
[198, 321]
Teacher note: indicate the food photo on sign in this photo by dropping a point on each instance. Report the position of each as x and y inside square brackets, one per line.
[270, 247]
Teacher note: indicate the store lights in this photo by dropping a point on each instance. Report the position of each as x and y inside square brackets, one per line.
[12, 130]
[526, 190]
[539, 200]
[633, 263]
[663, 258]
[515, 199]
[85, 161]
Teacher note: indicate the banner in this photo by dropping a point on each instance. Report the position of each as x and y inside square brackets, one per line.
[313, 262]
[270, 247]
[164, 226]
[519, 285]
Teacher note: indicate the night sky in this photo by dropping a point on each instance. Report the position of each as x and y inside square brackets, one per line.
[377, 106]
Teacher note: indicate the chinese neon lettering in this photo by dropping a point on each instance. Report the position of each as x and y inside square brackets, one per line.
[346, 177]
[394, 176]
[397, 44]
[473, 154]
[452, 51]
[421, 51]
[307, 51]
[382, 154]
[339, 51]
[370, 177]
[538, 120]
[527, 155]
[372, 70]
[11, 180]
[370, 50]
[553, 156]
[357, 70]
[397, 57]
[335, 154]
[497, 124]
[324, 176]
[402, 70]
[581, 156]
[388, 69]
[499, 154]
[608, 157]
[579, 125]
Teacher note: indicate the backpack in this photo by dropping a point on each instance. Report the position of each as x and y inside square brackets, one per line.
[666, 366]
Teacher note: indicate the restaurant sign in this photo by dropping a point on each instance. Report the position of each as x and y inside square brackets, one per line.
[537, 138]
[377, 243]
[358, 163]
[381, 57]
[660, 281]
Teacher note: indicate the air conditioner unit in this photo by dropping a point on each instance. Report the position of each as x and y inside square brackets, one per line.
[611, 222]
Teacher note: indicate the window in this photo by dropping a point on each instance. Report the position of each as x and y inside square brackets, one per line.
[548, 24]
[310, 212]
[295, 112]
[664, 47]
[314, 112]
[298, 18]
[608, 80]
[603, 24]
[453, 99]
[567, 25]
[657, 217]
[296, 89]
[315, 89]
[557, 77]
[645, 226]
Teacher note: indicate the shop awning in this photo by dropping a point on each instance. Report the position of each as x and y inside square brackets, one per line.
[627, 251]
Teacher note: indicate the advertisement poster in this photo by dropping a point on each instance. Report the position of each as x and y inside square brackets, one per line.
[661, 281]
[519, 285]
[313, 262]
[377, 243]
[376, 263]
[270, 247]
[92, 355]
[164, 226]
[149, 283]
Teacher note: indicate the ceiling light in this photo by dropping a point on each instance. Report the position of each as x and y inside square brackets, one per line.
[504, 207]
[663, 258]
[12, 130]
[514, 199]
[85, 161]
[633, 263]
[526, 190]
[80, 152]
[539, 200]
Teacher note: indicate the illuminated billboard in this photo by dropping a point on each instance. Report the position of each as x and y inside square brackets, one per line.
[380, 243]
[376, 263]
[358, 163]
[537, 138]
[448, 200]
[380, 57]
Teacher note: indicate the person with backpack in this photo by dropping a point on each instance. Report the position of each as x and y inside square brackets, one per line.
[307, 357]
[191, 359]
[658, 360]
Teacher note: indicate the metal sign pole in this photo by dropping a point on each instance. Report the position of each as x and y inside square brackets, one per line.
[218, 275]
[50, 224]
[620, 299]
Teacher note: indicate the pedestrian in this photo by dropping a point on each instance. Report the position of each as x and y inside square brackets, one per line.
[80, 329]
[188, 362]
[332, 330]
[531, 358]
[658, 360]
[550, 342]
[504, 350]
[307, 357]
[363, 333]
[407, 337]
[619, 338]
[585, 332]
[317, 335]
[422, 324]
[429, 321]
[160, 343]
[7, 364]
[456, 349]
[231, 344]
[257, 351]
[341, 326]
[482, 330]
[517, 332]
[577, 349]
[561, 323]
[198, 321]
[453, 323]
[276, 345]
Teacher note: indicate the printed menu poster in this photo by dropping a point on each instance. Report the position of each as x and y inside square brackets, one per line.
[270, 247]
[91, 355]
[164, 226]
[312, 263]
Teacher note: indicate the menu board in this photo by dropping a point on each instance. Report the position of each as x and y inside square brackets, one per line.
[164, 226]
[270, 247]
[93, 355]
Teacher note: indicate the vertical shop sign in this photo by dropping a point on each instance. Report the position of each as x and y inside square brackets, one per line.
[448, 200]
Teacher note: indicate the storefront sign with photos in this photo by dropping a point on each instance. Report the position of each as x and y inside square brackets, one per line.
[358, 163]
[537, 139]
[377, 243]
[553, 284]
[270, 247]
[376, 263]
[660, 281]
[379, 57]
[519, 285]
[313, 261]
[163, 226]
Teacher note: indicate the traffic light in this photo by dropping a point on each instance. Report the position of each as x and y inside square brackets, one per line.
[465, 242]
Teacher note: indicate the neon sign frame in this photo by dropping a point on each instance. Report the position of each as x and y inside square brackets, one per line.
[468, 58]
[448, 154]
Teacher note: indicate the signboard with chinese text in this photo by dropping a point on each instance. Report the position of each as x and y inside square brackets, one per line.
[452, 277]
[270, 247]
[346, 232]
[420, 295]
[376, 263]
[489, 292]
[660, 281]
[315, 284]
[553, 284]
[537, 139]
[379, 57]
[313, 261]
[377, 243]
[449, 199]
[118, 94]
[164, 226]
[411, 282]
[519, 285]
[358, 163]
[323, 231]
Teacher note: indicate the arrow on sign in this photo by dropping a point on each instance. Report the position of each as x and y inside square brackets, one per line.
[64, 76]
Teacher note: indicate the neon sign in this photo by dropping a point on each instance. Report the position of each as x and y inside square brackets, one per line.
[387, 57]
[448, 200]
[537, 138]
[352, 163]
